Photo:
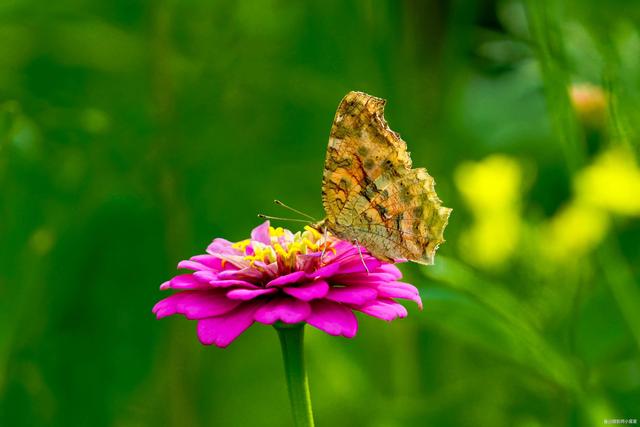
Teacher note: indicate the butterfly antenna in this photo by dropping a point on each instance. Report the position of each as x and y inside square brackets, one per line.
[279, 203]
[277, 218]
[324, 246]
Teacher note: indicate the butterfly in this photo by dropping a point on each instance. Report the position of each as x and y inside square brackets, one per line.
[370, 193]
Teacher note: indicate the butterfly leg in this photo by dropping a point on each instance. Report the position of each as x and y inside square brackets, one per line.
[361, 257]
[324, 243]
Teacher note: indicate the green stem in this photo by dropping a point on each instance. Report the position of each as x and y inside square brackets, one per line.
[292, 344]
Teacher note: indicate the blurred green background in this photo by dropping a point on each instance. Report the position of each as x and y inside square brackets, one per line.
[132, 133]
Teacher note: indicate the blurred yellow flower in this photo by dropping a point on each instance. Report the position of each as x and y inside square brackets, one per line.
[491, 189]
[491, 241]
[611, 183]
[574, 231]
[589, 102]
[490, 184]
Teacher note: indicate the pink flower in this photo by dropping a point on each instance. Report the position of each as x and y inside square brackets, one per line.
[278, 276]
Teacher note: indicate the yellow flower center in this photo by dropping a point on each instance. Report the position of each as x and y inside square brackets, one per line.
[284, 247]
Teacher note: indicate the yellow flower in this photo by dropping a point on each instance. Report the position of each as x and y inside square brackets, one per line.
[490, 242]
[611, 183]
[490, 184]
[491, 189]
[574, 231]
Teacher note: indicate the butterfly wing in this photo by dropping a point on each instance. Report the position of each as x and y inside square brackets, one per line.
[369, 190]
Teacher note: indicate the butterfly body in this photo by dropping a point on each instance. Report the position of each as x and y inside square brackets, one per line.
[370, 192]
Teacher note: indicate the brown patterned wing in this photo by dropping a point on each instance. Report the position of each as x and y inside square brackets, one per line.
[369, 190]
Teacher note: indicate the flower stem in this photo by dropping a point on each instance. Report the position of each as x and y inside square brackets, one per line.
[292, 344]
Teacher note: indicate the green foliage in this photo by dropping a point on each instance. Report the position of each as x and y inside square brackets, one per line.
[132, 133]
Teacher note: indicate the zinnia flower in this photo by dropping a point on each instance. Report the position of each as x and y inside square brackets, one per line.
[279, 276]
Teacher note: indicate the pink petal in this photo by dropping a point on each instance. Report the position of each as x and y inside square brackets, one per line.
[308, 291]
[221, 246]
[343, 250]
[192, 265]
[242, 274]
[287, 279]
[352, 294]
[333, 318]
[392, 270]
[222, 330]
[308, 262]
[323, 272]
[287, 310]
[269, 270]
[233, 261]
[247, 294]
[185, 281]
[209, 261]
[383, 309]
[346, 251]
[228, 283]
[356, 265]
[371, 279]
[194, 304]
[400, 290]
[205, 275]
[261, 233]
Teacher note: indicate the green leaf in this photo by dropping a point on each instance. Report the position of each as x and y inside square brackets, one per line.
[486, 315]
